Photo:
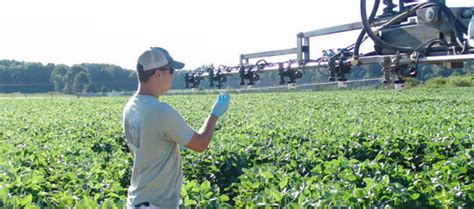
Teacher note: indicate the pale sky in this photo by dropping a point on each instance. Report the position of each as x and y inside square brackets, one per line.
[194, 32]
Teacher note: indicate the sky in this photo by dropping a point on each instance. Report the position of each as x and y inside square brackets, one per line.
[194, 32]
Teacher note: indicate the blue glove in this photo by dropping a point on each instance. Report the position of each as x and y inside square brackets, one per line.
[221, 104]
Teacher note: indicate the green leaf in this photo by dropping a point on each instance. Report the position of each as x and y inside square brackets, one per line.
[108, 204]
[183, 191]
[86, 203]
[301, 199]
[385, 179]
[224, 198]
[189, 202]
[471, 196]
[3, 191]
[351, 177]
[415, 196]
[26, 200]
[206, 185]
[194, 187]
[266, 174]
[275, 194]
[283, 183]
[369, 182]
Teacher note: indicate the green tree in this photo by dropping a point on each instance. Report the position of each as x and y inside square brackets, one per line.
[82, 82]
[57, 77]
[91, 89]
[70, 76]
[104, 89]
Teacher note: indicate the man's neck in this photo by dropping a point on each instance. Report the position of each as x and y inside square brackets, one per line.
[146, 90]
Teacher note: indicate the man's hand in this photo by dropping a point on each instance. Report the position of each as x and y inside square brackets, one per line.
[200, 140]
[221, 105]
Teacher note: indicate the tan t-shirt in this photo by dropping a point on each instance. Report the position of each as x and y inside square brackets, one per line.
[154, 131]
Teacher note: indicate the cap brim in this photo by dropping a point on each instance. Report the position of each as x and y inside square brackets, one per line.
[177, 65]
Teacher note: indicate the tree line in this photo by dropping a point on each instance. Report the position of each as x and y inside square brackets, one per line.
[31, 77]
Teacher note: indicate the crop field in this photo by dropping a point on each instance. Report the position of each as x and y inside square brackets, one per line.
[363, 149]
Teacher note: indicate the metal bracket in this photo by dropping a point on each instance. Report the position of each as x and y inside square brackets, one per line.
[287, 71]
[216, 76]
[247, 73]
[292, 86]
[193, 78]
[342, 84]
[399, 86]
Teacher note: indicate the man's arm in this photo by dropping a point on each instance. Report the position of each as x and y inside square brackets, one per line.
[200, 140]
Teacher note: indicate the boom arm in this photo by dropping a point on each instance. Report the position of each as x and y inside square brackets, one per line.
[418, 33]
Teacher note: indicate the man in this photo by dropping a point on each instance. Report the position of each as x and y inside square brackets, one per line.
[155, 131]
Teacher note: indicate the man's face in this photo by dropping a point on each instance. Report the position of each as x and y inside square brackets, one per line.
[166, 77]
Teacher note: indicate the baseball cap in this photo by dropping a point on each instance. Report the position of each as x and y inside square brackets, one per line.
[157, 57]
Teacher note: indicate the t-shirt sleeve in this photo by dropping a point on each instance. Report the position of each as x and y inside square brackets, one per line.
[176, 129]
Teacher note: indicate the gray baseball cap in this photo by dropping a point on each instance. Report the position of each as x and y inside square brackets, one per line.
[157, 57]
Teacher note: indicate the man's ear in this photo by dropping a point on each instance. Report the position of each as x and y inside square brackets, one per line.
[158, 73]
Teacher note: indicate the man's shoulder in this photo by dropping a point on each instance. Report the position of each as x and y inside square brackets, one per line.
[150, 106]
[161, 107]
[168, 109]
[146, 101]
